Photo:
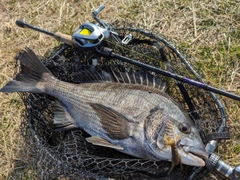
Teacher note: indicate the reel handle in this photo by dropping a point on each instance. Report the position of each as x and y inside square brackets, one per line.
[95, 13]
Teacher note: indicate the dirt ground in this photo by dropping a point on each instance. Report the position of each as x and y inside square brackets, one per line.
[207, 32]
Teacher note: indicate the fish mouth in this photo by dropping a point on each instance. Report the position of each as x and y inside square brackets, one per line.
[193, 155]
[197, 154]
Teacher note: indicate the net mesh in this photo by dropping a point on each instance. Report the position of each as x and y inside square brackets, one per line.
[67, 154]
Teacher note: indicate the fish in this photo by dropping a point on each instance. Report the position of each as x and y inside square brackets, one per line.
[126, 111]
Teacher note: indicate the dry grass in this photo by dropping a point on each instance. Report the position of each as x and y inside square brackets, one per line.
[208, 32]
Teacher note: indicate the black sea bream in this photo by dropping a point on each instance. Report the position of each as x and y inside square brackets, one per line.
[136, 119]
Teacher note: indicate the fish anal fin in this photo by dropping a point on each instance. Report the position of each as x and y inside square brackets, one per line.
[98, 141]
[62, 119]
[115, 125]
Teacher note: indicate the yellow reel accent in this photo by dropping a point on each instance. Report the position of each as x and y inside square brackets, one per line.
[85, 32]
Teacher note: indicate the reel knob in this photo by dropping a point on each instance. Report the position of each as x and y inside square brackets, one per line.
[100, 8]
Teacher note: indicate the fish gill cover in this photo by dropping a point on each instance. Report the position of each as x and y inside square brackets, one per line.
[68, 154]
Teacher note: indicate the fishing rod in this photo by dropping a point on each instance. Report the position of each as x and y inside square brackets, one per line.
[169, 74]
[90, 36]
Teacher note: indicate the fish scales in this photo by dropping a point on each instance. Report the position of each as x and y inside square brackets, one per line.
[120, 96]
[108, 94]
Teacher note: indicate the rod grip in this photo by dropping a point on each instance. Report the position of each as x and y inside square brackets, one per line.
[67, 39]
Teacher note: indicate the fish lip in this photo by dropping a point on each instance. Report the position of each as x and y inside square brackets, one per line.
[198, 153]
[195, 150]
[199, 160]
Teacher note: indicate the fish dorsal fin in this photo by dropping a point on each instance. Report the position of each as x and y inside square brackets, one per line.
[62, 119]
[96, 140]
[91, 75]
[115, 125]
[139, 77]
[131, 77]
[123, 77]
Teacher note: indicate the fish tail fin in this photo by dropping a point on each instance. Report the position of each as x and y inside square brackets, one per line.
[32, 72]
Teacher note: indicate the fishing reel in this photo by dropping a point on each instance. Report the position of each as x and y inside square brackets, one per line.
[88, 35]
[91, 35]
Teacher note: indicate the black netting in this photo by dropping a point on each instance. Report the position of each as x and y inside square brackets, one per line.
[67, 154]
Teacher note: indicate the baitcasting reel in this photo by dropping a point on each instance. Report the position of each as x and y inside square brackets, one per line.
[91, 35]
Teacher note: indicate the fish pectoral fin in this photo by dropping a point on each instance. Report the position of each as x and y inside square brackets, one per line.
[115, 125]
[62, 119]
[96, 140]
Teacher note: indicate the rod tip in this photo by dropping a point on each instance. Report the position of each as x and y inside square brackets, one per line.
[20, 23]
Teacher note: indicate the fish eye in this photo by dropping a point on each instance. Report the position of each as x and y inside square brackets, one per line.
[184, 127]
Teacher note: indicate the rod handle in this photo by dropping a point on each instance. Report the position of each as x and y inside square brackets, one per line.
[67, 39]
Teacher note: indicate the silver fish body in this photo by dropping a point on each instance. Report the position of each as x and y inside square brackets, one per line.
[139, 120]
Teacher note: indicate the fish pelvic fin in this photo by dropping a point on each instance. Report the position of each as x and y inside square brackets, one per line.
[62, 120]
[98, 141]
[32, 72]
[115, 125]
